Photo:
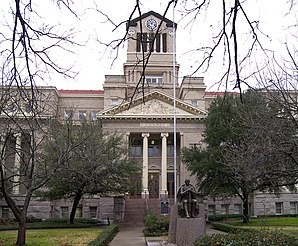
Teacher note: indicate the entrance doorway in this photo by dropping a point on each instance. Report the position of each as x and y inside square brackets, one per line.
[153, 185]
[135, 190]
[170, 184]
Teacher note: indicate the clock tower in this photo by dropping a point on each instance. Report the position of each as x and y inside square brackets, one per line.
[150, 52]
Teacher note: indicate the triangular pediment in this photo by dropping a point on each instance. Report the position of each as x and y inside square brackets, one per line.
[135, 21]
[156, 105]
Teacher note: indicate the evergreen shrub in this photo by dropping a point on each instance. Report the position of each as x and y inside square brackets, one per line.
[252, 238]
[155, 224]
[106, 236]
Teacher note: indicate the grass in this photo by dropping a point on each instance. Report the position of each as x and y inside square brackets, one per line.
[286, 225]
[52, 237]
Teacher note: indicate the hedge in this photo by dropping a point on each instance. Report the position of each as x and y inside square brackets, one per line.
[230, 228]
[156, 224]
[106, 236]
[252, 238]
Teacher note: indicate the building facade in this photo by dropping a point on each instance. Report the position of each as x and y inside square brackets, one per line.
[140, 105]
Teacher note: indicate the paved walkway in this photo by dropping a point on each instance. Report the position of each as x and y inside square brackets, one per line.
[134, 236]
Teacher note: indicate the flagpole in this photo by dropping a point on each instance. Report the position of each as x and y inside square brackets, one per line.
[174, 95]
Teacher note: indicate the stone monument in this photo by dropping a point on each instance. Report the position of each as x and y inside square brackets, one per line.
[187, 218]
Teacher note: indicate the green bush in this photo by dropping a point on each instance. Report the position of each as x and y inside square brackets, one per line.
[106, 236]
[155, 225]
[253, 238]
[77, 220]
[52, 223]
[229, 228]
[221, 217]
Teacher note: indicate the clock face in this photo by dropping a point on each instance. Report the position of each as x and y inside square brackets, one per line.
[151, 24]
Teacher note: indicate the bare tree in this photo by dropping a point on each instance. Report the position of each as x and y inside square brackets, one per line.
[236, 39]
[26, 112]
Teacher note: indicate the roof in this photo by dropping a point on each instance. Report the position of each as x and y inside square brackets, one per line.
[80, 92]
[135, 21]
[220, 93]
[144, 109]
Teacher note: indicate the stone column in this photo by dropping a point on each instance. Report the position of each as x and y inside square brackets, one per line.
[2, 149]
[145, 191]
[127, 140]
[164, 191]
[182, 165]
[17, 165]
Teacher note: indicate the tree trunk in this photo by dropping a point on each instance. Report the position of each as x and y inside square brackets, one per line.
[245, 209]
[22, 231]
[74, 207]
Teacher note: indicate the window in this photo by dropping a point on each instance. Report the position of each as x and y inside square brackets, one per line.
[64, 212]
[153, 80]
[211, 210]
[153, 149]
[194, 103]
[237, 208]
[293, 207]
[93, 115]
[114, 102]
[68, 114]
[224, 209]
[82, 115]
[145, 42]
[170, 150]
[5, 212]
[135, 150]
[79, 212]
[279, 208]
[93, 212]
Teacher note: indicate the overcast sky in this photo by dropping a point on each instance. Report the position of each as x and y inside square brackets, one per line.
[92, 61]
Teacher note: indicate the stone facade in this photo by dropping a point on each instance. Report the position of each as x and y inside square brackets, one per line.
[145, 117]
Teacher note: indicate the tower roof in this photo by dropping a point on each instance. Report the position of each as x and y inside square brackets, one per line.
[135, 21]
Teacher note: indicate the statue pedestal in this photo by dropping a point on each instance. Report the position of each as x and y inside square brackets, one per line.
[184, 231]
[188, 230]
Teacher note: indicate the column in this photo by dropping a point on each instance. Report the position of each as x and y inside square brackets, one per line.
[127, 140]
[145, 191]
[17, 165]
[183, 170]
[164, 191]
[2, 149]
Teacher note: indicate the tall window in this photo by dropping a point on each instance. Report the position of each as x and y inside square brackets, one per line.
[293, 207]
[5, 212]
[79, 212]
[224, 209]
[93, 116]
[151, 42]
[82, 115]
[64, 212]
[153, 148]
[237, 208]
[170, 150]
[211, 210]
[93, 212]
[279, 208]
[135, 150]
[68, 114]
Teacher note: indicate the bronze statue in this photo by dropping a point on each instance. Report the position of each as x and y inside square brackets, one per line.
[187, 200]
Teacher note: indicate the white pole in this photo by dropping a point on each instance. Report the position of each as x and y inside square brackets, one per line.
[174, 94]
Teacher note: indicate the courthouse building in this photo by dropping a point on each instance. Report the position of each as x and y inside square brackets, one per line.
[145, 117]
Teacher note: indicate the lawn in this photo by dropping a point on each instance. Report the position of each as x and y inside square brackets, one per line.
[52, 237]
[287, 225]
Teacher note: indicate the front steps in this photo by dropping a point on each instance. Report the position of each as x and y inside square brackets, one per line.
[135, 210]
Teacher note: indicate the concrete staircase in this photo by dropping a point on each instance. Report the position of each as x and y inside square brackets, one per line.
[134, 212]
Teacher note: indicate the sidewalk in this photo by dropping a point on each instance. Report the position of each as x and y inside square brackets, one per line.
[134, 236]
